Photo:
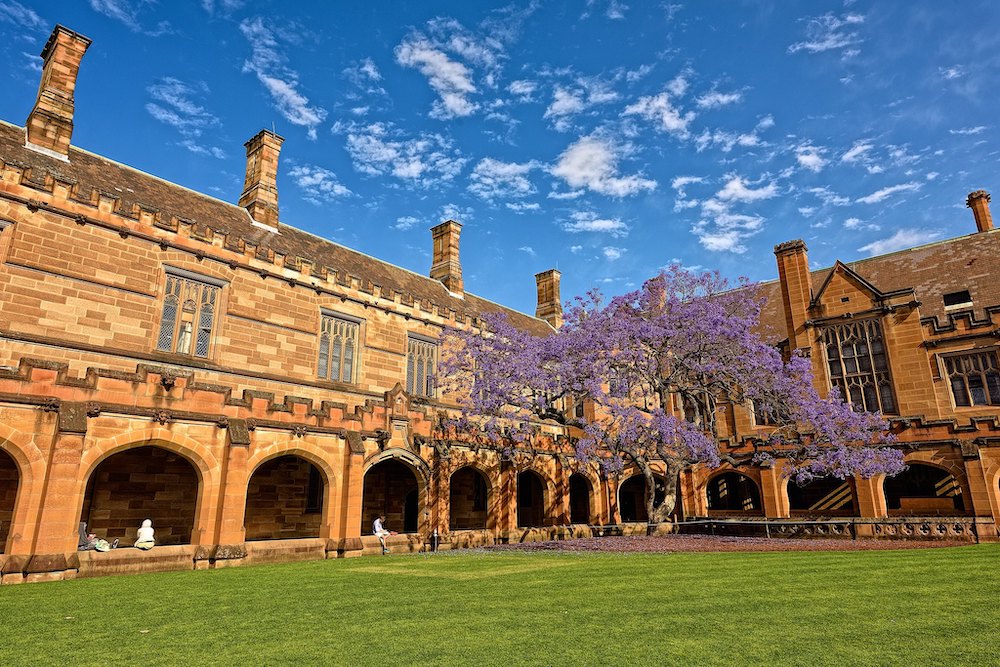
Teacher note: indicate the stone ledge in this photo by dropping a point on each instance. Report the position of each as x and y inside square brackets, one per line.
[285, 551]
[129, 560]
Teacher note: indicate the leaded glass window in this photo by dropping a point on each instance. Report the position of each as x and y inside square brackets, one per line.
[974, 378]
[189, 313]
[421, 365]
[859, 366]
[338, 349]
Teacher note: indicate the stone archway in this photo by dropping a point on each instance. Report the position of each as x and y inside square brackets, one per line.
[733, 493]
[10, 478]
[924, 490]
[392, 488]
[632, 498]
[531, 499]
[140, 483]
[468, 500]
[284, 499]
[827, 496]
[580, 499]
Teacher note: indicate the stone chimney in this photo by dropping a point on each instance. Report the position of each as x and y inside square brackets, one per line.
[979, 202]
[446, 265]
[796, 289]
[260, 189]
[50, 123]
[549, 306]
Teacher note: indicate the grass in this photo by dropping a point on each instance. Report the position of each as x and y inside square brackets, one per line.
[920, 607]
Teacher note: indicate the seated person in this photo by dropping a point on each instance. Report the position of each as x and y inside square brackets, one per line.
[144, 538]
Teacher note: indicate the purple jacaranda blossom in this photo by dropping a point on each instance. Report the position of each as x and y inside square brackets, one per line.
[658, 366]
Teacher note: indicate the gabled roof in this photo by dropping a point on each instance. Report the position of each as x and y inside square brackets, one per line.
[90, 172]
[970, 262]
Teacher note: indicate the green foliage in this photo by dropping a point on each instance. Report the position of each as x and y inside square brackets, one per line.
[919, 607]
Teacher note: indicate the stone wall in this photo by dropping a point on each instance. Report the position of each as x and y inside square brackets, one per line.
[280, 503]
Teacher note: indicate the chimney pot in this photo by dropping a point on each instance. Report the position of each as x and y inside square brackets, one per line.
[446, 265]
[796, 289]
[979, 202]
[549, 302]
[50, 123]
[260, 188]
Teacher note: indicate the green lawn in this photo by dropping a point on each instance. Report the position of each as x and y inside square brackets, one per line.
[920, 607]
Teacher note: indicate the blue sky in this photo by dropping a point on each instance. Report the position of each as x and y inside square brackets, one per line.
[604, 138]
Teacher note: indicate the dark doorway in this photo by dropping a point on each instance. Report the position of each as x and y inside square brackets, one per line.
[9, 479]
[827, 496]
[530, 500]
[284, 500]
[923, 490]
[391, 488]
[632, 498]
[468, 500]
[142, 483]
[732, 492]
[579, 498]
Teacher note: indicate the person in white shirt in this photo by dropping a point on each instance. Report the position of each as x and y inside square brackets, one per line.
[378, 528]
[145, 536]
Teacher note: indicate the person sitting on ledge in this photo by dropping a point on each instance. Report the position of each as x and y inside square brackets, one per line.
[144, 539]
[91, 542]
[378, 528]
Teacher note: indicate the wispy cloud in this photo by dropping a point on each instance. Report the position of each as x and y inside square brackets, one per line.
[829, 33]
[268, 63]
[381, 149]
[592, 163]
[611, 253]
[23, 17]
[172, 102]
[810, 157]
[406, 222]
[493, 179]
[828, 197]
[319, 185]
[587, 221]
[223, 7]
[902, 239]
[528, 250]
[450, 79]
[665, 117]
[737, 190]
[715, 99]
[126, 12]
[978, 129]
[885, 193]
[951, 73]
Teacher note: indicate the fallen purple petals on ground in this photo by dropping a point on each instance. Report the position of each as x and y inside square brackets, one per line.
[712, 543]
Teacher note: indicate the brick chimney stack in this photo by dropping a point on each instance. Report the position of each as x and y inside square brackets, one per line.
[549, 306]
[50, 123]
[446, 266]
[979, 202]
[260, 189]
[796, 289]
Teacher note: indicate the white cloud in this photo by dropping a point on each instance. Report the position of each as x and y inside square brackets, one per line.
[736, 190]
[224, 7]
[523, 207]
[174, 105]
[528, 250]
[810, 157]
[931, 175]
[201, 149]
[678, 85]
[379, 149]
[658, 109]
[978, 129]
[592, 163]
[24, 17]
[575, 248]
[267, 63]
[612, 253]
[722, 240]
[903, 238]
[565, 102]
[572, 194]
[830, 198]
[715, 99]
[726, 141]
[638, 73]
[807, 210]
[318, 185]
[523, 89]
[585, 221]
[126, 12]
[885, 193]
[951, 73]
[857, 152]
[455, 212]
[616, 10]
[829, 33]
[366, 77]
[450, 79]
[493, 179]
[681, 182]
[406, 222]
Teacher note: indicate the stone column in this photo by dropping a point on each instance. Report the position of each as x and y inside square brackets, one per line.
[773, 494]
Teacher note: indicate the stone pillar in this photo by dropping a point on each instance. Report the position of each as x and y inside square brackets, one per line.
[260, 187]
[871, 499]
[446, 265]
[773, 494]
[507, 502]
[232, 507]
[50, 123]
[796, 290]
[350, 499]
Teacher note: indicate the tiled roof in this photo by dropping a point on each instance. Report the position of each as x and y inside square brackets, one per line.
[969, 262]
[91, 173]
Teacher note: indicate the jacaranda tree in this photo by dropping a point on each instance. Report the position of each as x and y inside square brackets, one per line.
[658, 364]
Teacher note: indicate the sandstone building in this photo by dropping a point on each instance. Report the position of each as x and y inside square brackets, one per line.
[262, 393]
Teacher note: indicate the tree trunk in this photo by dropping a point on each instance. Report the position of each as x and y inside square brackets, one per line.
[662, 513]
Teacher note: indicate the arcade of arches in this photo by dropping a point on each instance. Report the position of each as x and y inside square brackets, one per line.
[288, 497]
